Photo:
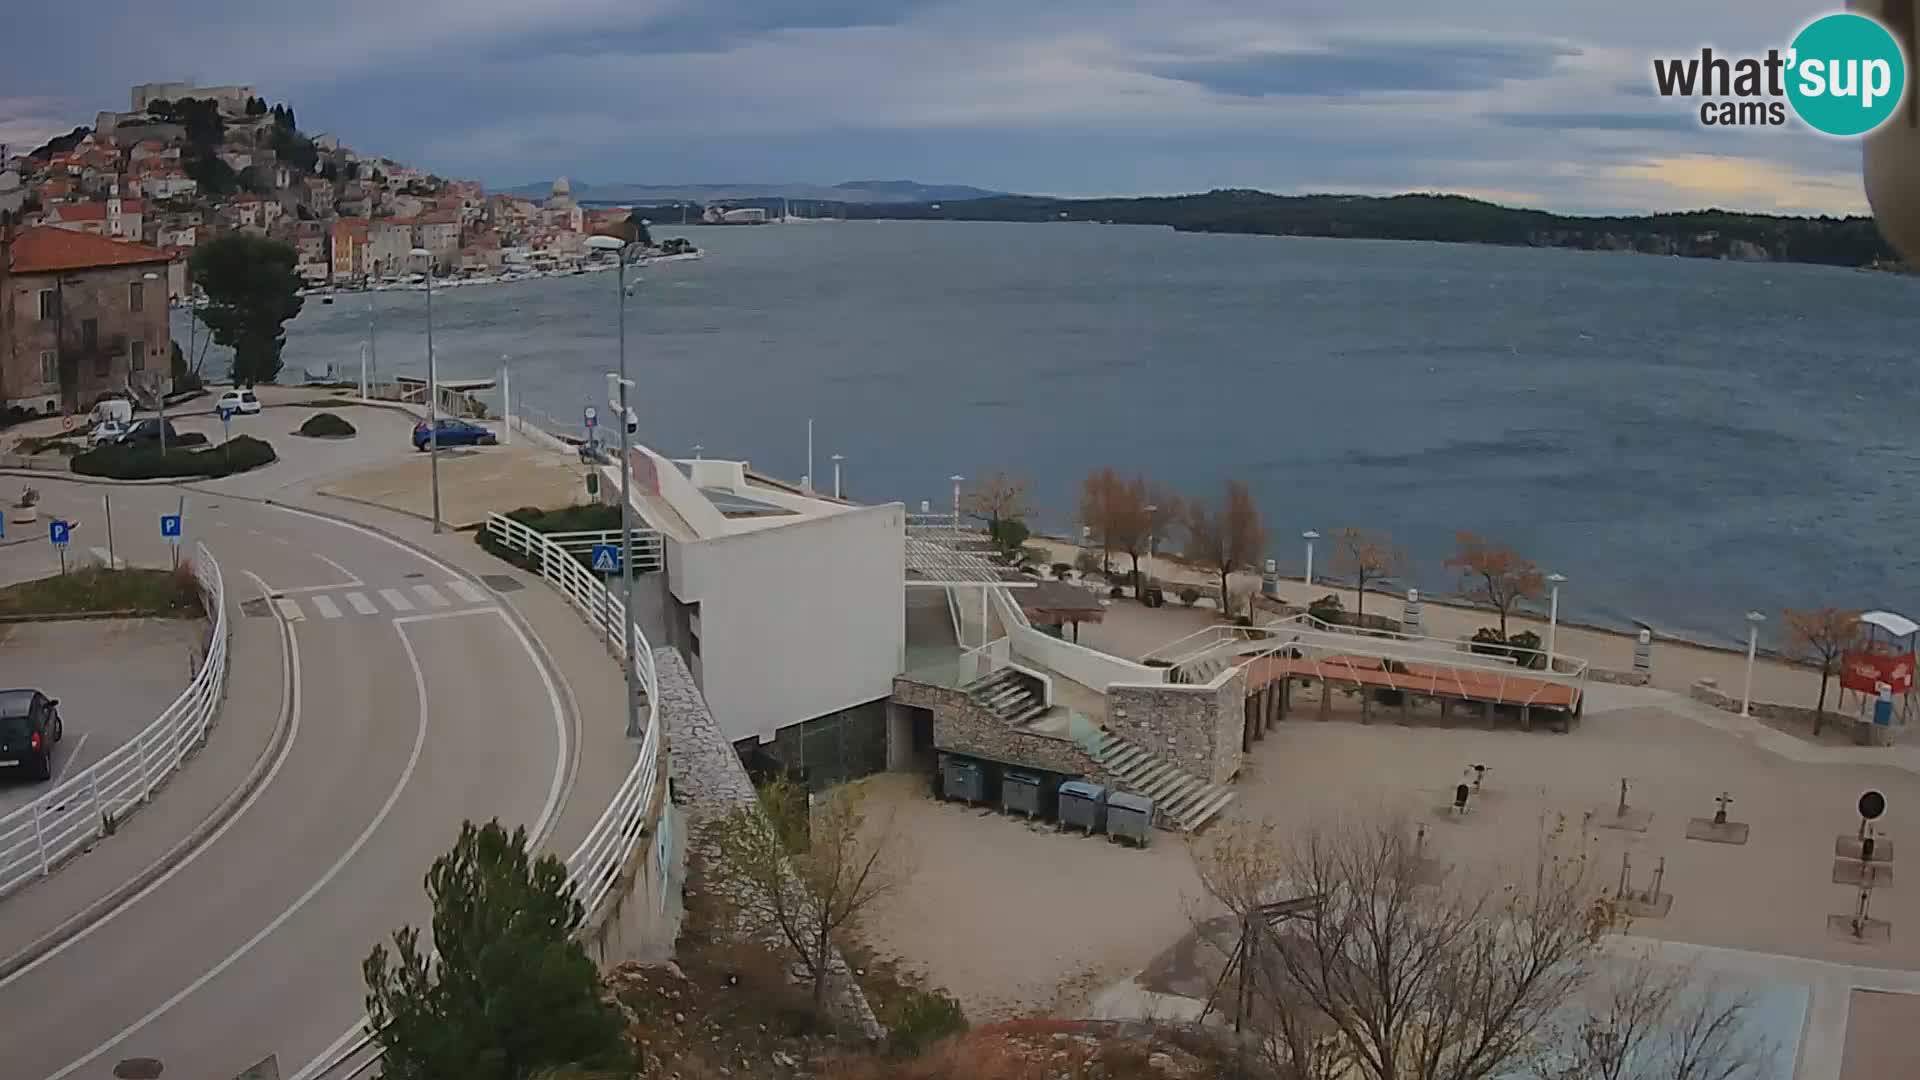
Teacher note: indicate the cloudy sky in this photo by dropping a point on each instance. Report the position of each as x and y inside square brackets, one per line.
[1514, 100]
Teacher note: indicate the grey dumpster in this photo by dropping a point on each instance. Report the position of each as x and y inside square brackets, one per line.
[1130, 817]
[1020, 793]
[1083, 806]
[964, 780]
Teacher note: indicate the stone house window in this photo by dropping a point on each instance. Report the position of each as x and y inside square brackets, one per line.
[136, 297]
[49, 367]
[49, 305]
[137, 355]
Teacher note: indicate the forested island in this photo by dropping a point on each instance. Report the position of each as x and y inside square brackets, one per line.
[1706, 234]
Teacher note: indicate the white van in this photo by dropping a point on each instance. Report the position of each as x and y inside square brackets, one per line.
[119, 409]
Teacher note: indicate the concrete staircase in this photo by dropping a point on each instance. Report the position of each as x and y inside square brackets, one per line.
[1183, 799]
[1008, 695]
[1202, 670]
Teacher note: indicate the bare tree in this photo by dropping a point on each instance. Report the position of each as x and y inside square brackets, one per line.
[1411, 979]
[1228, 538]
[1496, 574]
[997, 500]
[803, 877]
[1649, 1021]
[1146, 513]
[1366, 556]
[1102, 512]
[1822, 636]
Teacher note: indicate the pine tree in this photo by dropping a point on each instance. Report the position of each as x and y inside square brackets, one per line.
[511, 993]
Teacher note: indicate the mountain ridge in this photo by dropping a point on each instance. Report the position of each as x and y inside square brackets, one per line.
[849, 191]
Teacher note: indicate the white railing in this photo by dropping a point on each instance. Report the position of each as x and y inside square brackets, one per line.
[648, 552]
[84, 806]
[594, 866]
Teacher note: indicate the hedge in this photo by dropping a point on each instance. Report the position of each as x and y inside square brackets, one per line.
[146, 462]
[326, 425]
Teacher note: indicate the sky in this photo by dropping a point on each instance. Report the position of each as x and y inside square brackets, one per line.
[1546, 105]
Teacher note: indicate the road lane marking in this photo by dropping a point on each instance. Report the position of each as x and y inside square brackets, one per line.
[352, 579]
[325, 605]
[289, 714]
[73, 755]
[396, 599]
[361, 605]
[431, 596]
[465, 591]
[393, 797]
[290, 608]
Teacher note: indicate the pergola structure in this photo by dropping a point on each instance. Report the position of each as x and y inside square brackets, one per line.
[935, 560]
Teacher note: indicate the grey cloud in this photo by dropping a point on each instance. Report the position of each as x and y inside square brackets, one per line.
[714, 26]
[1353, 68]
[1599, 121]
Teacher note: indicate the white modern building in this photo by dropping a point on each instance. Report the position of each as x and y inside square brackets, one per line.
[788, 605]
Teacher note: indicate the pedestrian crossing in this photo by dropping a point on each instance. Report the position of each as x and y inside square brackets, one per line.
[351, 603]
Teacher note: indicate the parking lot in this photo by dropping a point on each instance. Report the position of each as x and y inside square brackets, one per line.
[111, 677]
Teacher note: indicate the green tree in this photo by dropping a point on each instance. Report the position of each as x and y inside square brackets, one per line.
[214, 176]
[510, 993]
[252, 290]
[256, 107]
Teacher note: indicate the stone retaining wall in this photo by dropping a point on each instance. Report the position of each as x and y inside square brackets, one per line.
[1707, 692]
[1195, 727]
[961, 727]
[709, 782]
[1619, 678]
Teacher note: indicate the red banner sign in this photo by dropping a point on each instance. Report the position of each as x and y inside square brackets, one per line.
[1865, 672]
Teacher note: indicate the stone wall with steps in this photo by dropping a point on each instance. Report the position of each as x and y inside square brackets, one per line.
[964, 727]
[1197, 728]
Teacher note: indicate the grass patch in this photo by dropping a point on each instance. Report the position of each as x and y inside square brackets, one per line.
[170, 594]
[146, 462]
[326, 425]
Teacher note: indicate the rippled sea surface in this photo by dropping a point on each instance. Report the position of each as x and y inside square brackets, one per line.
[1686, 440]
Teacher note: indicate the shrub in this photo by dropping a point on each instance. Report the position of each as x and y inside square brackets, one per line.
[1189, 596]
[1488, 642]
[1328, 609]
[326, 425]
[1060, 570]
[1525, 649]
[922, 1018]
[1116, 592]
[146, 462]
[1087, 563]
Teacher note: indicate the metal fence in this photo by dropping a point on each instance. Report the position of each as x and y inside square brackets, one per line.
[648, 554]
[95, 800]
[595, 865]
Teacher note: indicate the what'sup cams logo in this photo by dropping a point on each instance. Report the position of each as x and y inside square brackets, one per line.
[1844, 74]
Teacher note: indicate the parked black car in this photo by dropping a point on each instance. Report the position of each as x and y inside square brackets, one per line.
[148, 431]
[29, 726]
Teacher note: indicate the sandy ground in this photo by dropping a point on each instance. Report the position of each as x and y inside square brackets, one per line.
[1030, 920]
[1676, 666]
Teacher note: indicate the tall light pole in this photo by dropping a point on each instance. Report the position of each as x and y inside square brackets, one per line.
[433, 394]
[619, 249]
[1553, 615]
[1309, 536]
[373, 356]
[506, 399]
[1139, 588]
[1754, 619]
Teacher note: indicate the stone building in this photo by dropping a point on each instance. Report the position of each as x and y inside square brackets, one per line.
[81, 317]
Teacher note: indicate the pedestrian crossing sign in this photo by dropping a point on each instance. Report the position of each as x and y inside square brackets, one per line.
[606, 559]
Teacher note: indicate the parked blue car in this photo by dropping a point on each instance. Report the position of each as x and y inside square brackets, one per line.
[453, 433]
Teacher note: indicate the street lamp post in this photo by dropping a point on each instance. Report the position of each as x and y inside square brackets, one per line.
[1139, 588]
[433, 394]
[161, 393]
[619, 249]
[1553, 615]
[1309, 536]
[1754, 619]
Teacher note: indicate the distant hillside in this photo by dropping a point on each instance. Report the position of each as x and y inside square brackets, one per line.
[1849, 241]
[853, 191]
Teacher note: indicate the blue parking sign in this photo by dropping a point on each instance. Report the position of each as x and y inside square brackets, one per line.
[58, 532]
[606, 559]
[170, 526]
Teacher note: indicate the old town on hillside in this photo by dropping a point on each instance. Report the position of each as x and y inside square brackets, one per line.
[96, 227]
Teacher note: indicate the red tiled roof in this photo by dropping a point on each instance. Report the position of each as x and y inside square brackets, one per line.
[47, 249]
[94, 211]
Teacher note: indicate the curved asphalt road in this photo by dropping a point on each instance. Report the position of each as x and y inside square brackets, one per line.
[414, 704]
